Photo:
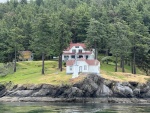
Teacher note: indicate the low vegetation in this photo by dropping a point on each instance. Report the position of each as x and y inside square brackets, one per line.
[29, 72]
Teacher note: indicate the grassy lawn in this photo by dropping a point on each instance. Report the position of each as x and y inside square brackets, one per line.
[30, 73]
[107, 71]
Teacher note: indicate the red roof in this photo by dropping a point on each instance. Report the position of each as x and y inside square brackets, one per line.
[83, 53]
[89, 62]
[70, 62]
[75, 44]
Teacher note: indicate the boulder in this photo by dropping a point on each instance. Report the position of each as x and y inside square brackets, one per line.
[21, 93]
[109, 83]
[136, 92]
[60, 90]
[96, 78]
[89, 88]
[2, 90]
[47, 86]
[144, 89]
[2, 87]
[147, 95]
[72, 92]
[103, 91]
[125, 84]
[122, 91]
[41, 93]
[90, 85]
[34, 87]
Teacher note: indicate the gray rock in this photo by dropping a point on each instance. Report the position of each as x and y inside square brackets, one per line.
[136, 92]
[21, 93]
[96, 78]
[41, 93]
[122, 91]
[60, 90]
[21, 87]
[133, 84]
[73, 92]
[34, 87]
[108, 83]
[145, 89]
[126, 84]
[147, 95]
[3, 92]
[103, 91]
[89, 88]
[47, 86]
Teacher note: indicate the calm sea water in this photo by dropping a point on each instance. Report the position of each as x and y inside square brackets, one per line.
[39, 107]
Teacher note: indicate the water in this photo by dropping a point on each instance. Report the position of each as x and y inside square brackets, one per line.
[39, 107]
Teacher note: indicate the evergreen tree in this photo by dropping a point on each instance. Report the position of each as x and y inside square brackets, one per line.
[42, 38]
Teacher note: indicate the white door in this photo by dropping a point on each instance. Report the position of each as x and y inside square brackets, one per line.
[80, 69]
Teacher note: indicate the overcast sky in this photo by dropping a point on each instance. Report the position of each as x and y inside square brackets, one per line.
[3, 1]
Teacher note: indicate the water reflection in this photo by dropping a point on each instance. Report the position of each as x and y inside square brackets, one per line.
[39, 107]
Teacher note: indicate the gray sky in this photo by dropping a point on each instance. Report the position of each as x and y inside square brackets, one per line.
[2, 1]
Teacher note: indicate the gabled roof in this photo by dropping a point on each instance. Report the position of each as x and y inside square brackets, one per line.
[83, 53]
[75, 44]
[92, 62]
[89, 62]
[70, 62]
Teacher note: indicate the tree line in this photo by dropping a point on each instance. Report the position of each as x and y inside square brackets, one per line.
[46, 27]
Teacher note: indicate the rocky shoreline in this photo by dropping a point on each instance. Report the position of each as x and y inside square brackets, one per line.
[93, 89]
[76, 100]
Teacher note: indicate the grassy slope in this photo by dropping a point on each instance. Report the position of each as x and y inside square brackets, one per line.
[107, 71]
[30, 72]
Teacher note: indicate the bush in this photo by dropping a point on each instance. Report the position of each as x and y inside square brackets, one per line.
[64, 64]
[107, 58]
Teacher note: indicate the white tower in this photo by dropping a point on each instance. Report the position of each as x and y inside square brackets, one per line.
[91, 57]
[75, 68]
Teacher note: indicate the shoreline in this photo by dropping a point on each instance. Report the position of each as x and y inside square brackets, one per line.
[76, 100]
[93, 89]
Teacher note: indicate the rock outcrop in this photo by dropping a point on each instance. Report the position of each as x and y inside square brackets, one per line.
[92, 86]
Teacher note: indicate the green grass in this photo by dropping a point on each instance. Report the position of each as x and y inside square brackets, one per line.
[110, 67]
[29, 72]
[107, 67]
[107, 71]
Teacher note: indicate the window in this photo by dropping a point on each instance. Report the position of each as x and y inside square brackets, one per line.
[72, 56]
[80, 50]
[87, 56]
[70, 68]
[66, 57]
[80, 56]
[74, 51]
[77, 46]
[85, 67]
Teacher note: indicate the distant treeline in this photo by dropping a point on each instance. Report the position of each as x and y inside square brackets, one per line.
[46, 27]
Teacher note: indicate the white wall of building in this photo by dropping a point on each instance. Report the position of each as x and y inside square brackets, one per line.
[84, 68]
[69, 69]
[69, 57]
[84, 56]
[77, 49]
[94, 69]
